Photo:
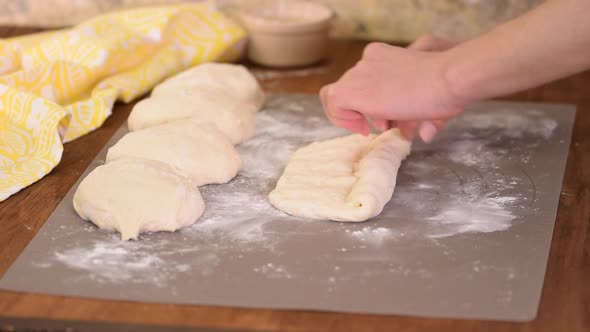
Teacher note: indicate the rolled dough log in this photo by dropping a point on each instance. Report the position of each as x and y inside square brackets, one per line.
[235, 121]
[234, 80]
[199, 151]
[134, 196]
[349, 178]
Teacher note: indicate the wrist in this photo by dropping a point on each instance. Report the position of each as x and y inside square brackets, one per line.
[457, 79]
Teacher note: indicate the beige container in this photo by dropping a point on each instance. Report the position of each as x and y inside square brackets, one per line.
[287, 33]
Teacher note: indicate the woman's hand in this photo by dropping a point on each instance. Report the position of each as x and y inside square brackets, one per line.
[419, 88]
[394, 87]
[428, 129]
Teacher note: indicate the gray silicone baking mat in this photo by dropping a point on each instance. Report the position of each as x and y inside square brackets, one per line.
[466, 235]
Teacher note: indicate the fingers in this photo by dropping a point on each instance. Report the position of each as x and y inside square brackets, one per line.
[347, 119]
[381, 124]
[408, 128]
[439, 124]
[356, 122]
[352, 121]
[427, 130]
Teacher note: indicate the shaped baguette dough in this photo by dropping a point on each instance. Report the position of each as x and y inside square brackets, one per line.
[349, 178]
[234, 80]
[201, 152]
[235, 121]
[133, 196]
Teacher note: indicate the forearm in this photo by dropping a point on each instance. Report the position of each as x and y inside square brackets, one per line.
[550, 42]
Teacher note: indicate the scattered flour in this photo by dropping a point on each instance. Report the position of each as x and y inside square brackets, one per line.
[238, 212]
[228, 218]
[374, 236]
[273, 271]
[503, 200]
[477, 196]
[512, 124]
[279, 134]
[473, 153]
[482, 216]
[143, 262]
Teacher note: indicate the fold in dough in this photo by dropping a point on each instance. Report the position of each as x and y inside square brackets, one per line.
[349, 178]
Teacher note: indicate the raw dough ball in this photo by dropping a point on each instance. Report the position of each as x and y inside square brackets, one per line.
[235, 121]
[222, 94]
[201, 152]
[344, 179]
[233, 80]
[134, 196]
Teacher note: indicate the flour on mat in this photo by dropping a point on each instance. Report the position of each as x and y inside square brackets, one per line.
[374, 236]
[473, 153]
[239, 211]
[477, 196]
[228, 218]
[512, 124]
[273, 271]
[278, 134]
[482, 216]
[142, 262]
[450, 203]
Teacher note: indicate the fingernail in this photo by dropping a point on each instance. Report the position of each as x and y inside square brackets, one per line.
[427, 131]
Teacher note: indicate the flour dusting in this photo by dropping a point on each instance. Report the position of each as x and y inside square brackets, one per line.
[514, 124]
[228, 216]
[279, 134]
[239, 212]
[375, 236]
[473, 153]
[481, 216]
[116, 261]
[273, 271]
[462, 187]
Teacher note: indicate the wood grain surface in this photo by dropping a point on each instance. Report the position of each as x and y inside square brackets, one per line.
[565, 302]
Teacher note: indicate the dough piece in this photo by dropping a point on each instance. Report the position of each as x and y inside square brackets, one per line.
[344, 179]
[235, 121]
[201, 152]
[233, 80]
[133, 196]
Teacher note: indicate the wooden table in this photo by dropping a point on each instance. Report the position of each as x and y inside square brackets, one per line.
[565, 303]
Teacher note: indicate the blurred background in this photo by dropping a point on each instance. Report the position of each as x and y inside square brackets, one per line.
[390, 20]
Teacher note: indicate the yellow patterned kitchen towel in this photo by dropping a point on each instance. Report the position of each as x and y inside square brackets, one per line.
[58, 86]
